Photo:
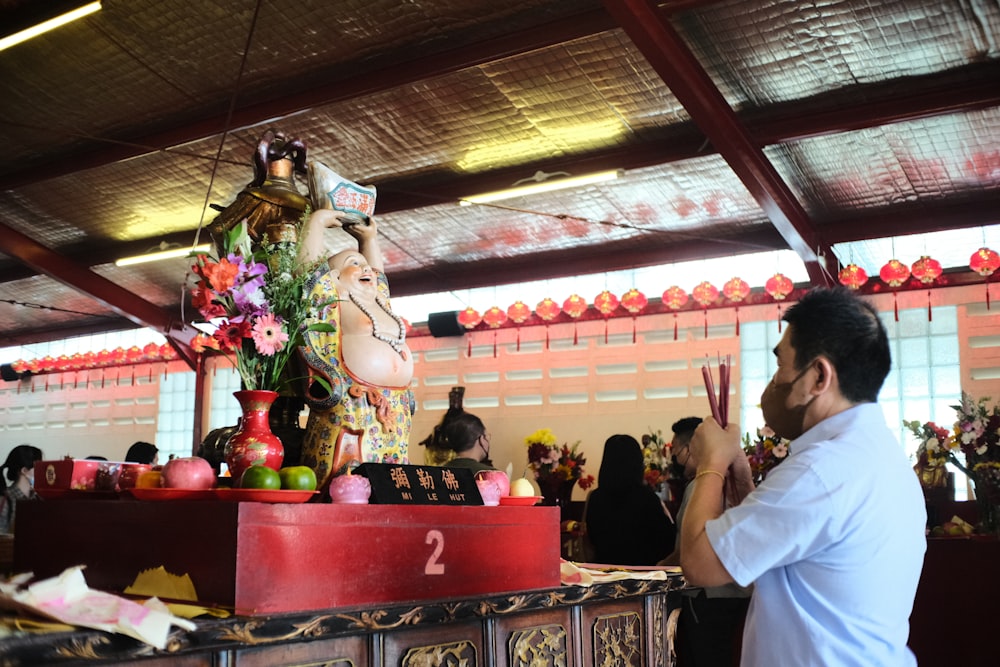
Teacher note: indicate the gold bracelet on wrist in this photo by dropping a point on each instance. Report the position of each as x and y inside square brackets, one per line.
[709, 471]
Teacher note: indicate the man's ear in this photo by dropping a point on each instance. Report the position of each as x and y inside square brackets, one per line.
[825, 376]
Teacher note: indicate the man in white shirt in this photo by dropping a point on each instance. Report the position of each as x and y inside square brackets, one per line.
[833, 539]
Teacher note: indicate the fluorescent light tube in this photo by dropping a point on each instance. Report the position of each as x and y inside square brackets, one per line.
[544, 186]
[51, 24]
[162, 254]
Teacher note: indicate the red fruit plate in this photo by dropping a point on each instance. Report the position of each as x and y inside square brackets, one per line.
[172, 494]
[523, 501]
[264, 495]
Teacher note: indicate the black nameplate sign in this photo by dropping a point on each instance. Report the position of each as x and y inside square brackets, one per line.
[396, 484]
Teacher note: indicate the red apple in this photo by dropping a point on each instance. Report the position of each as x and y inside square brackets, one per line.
[190, 472]
[498, 477]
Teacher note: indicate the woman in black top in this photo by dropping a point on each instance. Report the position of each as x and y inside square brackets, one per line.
[625, 519]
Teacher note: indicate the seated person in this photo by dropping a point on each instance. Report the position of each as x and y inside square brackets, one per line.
[464, 435]
[143, 452]
[625, 519]
[20, 472]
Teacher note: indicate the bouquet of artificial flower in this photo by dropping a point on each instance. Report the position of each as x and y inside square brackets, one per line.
[552, 462]
[256, 299]
[657, 459]
[764, 453]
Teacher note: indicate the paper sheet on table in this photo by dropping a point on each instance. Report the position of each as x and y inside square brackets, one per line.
[158, 583]
[587, 574]
[68, 599]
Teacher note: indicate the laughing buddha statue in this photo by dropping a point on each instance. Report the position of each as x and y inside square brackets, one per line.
[361, 403]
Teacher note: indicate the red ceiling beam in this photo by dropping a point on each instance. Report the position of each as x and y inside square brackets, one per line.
[99, 288]
[689, 82]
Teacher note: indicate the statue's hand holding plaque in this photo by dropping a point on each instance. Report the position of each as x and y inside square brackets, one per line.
[330, 190]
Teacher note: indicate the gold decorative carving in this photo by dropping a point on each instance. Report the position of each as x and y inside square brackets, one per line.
[85, 648]
[512, 604]
[244, 633]
[336, 662]
[372, 621]
[540, 646]
[658, 605]
[618, 640]
[455, 654]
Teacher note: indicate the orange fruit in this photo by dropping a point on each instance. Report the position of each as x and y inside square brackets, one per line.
[151, 479]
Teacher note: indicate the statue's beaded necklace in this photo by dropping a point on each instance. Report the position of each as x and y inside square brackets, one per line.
[395, 343]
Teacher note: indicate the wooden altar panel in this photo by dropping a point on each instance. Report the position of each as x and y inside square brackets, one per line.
[547, 637]
[339, 652]
[452, 645]
[614, 633]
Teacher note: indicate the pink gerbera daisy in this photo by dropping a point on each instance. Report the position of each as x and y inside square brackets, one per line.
[268, 335]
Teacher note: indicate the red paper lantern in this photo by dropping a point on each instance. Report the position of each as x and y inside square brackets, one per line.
[984, 262]
[778, 287]
[518, 312]
[151, 351]
[894, 273]
[494, 317]
[705, 293]
[634, 302]
[852, 276]
[606, 303]
[133, 355]
[547, 310]
[575, 306]
[736, 289]
[19, 366]
[469, 318]
[675, 298]
[926, 270]
[167, 352]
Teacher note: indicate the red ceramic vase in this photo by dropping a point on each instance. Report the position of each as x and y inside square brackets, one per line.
[254, 443]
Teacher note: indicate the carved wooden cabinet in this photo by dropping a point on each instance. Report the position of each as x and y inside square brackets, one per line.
[621, 624]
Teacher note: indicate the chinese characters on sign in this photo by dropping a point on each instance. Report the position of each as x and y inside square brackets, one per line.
[420, 485]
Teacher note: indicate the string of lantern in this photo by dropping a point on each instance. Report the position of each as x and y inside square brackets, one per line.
[86, 361]
[925, 273]
[894, 276]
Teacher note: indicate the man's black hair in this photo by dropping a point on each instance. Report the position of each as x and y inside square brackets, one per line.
[839, 325]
